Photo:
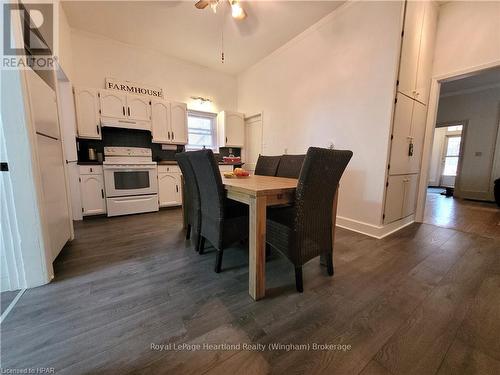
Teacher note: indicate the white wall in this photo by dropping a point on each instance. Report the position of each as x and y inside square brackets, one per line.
[95, 58]
[334, 83]
[481, 109]
[65, 52]
[468, 36]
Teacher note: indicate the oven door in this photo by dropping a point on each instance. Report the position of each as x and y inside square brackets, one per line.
[126, 180]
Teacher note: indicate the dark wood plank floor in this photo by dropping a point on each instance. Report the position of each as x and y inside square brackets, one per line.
[425, 300]
[481, 218]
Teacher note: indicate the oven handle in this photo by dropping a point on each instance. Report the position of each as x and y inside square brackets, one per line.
[128, 167]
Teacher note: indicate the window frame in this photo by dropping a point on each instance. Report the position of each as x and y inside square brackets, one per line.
[207, 115]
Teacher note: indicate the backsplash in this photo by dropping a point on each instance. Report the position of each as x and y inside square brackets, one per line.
[135, 138]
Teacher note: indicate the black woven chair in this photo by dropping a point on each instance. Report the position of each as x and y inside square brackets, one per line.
[267, 165]
[191, 198]
[223, 221]
[290, 166]
[304, 231]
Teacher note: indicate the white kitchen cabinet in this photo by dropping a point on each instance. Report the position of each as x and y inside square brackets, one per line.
[121, 110]
[231, 129]
[113, 104]
[407, 136]
[178, 123]
[401, 197]
[169, 122]
[92, 190]
[417, 49]
[169, 189]
[160, 121]
[87, 113]
[138, 108]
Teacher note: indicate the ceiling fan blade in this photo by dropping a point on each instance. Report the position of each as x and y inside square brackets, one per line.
[202, 4]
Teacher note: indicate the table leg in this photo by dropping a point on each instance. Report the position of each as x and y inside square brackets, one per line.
[257, 246]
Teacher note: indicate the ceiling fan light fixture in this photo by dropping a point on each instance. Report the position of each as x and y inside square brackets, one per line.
[237, 11]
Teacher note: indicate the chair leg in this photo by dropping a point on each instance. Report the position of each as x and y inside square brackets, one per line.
[202, 245]
[188, 232]
[268, 251]
[298, 279]
[329, 263]
[218, 261]
[197, 244]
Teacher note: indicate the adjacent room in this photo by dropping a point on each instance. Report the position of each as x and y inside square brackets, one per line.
[250, 187]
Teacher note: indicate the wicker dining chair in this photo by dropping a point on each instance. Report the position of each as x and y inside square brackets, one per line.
[191, 199]
[223, 221]
[304, 230]
[267, 165]
[290, 166]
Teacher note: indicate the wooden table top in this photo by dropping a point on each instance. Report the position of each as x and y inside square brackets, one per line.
[260, 185]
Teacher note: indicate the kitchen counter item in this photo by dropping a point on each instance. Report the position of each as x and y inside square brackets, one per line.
[92, 154]
[89, 162]
[231, 159]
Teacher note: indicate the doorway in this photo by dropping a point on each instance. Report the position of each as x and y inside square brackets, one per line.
[253, 141]
[464, 156]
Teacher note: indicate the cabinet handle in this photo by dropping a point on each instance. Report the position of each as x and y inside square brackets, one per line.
[123, 108]
[226, 139]
[102, 194]
[97, 127]
[128, 109]
[410, 149]
[177, 188]
[90, 169]
[168, 135]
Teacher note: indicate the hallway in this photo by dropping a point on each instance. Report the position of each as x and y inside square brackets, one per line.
[481, 218]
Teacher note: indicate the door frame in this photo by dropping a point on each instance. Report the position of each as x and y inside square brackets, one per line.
[431, 124]
[261, 141]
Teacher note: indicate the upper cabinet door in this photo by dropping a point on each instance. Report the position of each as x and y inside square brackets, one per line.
[160, 118]
[87, 113]
[138, 108]
[178, 123]
[426, 55]
[401, 136]
[231, 127]
[411, 47]
[43, 105]
[113, 104]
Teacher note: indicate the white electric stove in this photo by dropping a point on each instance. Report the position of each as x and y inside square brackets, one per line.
[130, 177]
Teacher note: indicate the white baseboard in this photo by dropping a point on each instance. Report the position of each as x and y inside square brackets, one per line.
[377, 231]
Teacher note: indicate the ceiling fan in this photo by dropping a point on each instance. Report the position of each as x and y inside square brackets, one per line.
[236, 10]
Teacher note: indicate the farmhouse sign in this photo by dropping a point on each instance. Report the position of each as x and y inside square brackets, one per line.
[134, 88]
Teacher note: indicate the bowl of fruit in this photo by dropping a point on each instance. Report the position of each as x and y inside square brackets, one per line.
[237, 172]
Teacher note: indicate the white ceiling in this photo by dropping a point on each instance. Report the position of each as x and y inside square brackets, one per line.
[483, 79]
[178, 29]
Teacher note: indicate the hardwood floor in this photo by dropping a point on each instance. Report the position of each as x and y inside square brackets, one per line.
[482, 218]
[425, 300]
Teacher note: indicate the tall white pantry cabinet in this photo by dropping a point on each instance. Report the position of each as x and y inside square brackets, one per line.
[410, 111]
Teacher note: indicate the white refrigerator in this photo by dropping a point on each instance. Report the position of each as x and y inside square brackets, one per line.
[56, 213]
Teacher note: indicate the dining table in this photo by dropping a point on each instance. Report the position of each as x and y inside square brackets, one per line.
[260, 192]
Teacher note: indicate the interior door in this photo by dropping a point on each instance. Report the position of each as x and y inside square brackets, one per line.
[401, 136]
[87, 113]
[113, 104]
[160, 118]
[253, 141]
[178, 123]
[451, 154]
[138, 108]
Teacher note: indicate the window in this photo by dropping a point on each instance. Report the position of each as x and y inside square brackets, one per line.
[201, 130]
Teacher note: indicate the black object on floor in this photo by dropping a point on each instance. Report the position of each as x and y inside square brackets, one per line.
[448, 192]
[497, 191]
